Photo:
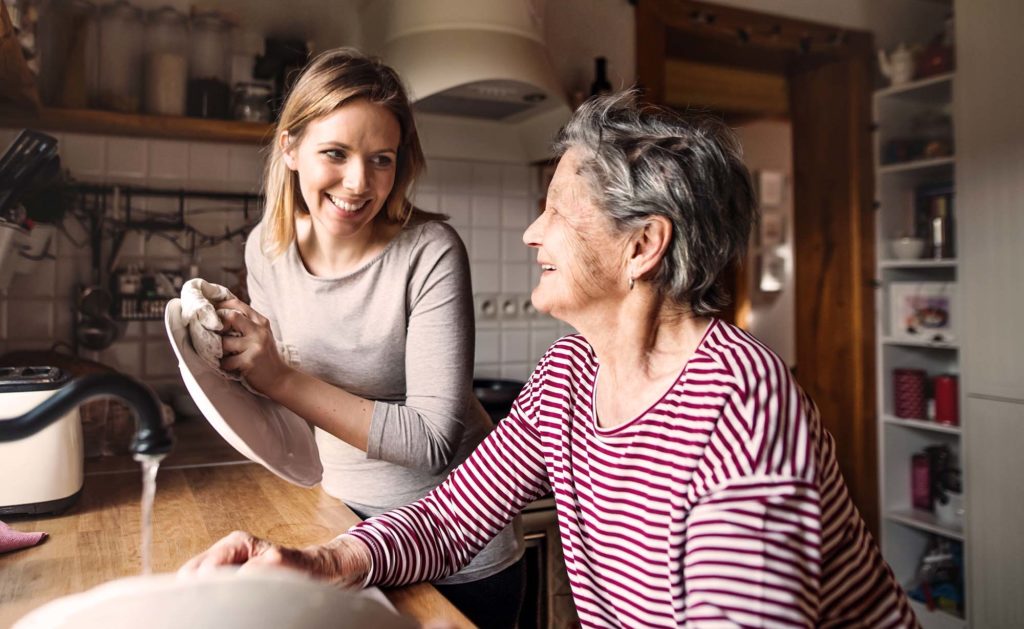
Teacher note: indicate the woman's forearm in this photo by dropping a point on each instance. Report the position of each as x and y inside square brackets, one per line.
[330, 408]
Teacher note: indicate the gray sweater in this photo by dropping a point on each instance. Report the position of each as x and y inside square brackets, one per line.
[398, 330]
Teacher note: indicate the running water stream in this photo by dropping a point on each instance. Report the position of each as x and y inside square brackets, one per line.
[150, 466]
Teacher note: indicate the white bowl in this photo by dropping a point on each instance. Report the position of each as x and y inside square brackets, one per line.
[222, 599]
[907, 248]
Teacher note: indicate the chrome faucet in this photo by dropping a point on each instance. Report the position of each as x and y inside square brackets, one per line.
[151, 436]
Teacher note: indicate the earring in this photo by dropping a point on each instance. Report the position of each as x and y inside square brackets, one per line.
[632, 282]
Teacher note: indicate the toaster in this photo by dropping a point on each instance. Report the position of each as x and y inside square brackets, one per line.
[42, 473]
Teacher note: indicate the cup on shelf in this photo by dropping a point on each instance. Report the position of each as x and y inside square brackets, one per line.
[950, 512]
[907, 247]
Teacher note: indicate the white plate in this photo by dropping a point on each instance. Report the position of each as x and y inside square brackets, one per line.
[262, 430]
[217, 600]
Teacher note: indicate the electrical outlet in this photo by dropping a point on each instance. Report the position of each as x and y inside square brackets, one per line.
[486, 306]
[526, 307]
[508, 306]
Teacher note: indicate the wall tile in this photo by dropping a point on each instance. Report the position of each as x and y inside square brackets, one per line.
[518, 212]
[125, 356]
[487, 179]
[39, 281]
[515, 278]
[75, 240]
[516, 371]
[245, 165]
[465, 233]
[168, 160]
[513, 249]
[456, 206]
[430, 180]
[160, 360]
[126, 159]
[486, 211]
[488, 346]
[487, 370]
[85, 155]
[456, 176]
[515, 346]
[486, 277]
[515, 180]
[429, 201]
[207, 164]
[3, 320]
[486, 245]
[30, 319]
[73, 273]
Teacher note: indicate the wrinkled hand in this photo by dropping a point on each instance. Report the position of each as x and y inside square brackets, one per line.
[249, 347]
[343, 561]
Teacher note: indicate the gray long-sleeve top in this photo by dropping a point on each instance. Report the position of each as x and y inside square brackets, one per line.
[398, 330]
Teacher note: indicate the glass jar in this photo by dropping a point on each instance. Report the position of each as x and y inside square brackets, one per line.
[251, 102]
[166, 69]
[208, 92]
[120, 56]
[68, 40]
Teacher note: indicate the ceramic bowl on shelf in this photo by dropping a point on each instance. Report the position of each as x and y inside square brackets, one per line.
[907, 248]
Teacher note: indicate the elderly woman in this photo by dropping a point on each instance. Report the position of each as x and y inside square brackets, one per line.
[693, 480]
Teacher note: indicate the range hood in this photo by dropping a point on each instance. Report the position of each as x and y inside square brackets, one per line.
[478, 72]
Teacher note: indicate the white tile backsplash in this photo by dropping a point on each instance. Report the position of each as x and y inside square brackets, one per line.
[168, 161]
[487, 179]
[486, 246]
[84, 155]
[127, 159]
[489, 205]
[486, 211]
[456, 206]
[30, 320]
[208, 164]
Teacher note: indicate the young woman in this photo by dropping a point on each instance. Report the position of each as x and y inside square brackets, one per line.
[375, 297]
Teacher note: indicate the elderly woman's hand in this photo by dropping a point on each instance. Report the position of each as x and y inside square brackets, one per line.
[343, 561]
[249, 346]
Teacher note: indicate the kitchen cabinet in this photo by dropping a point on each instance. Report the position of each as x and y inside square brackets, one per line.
[990, 168]
[917, 329]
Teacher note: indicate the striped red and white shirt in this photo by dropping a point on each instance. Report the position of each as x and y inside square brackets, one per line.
[721, 505]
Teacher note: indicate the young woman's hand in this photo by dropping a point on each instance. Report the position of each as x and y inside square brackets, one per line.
[249, 347]
[343, 561]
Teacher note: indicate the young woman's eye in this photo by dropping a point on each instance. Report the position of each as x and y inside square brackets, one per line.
[382, 161]
[335, 154]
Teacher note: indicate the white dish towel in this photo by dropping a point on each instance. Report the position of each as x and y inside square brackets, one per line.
[203, 319]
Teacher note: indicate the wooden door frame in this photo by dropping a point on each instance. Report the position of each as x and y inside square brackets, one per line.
[833, 199]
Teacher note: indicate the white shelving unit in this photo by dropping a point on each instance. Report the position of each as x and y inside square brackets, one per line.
[906, 532]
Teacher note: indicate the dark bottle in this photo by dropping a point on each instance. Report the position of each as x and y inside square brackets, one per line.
[600, 84]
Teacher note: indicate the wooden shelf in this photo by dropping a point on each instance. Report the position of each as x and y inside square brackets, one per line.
[918, 164]
[944, 263]
[890, 340]
[138, 125]
[920, 424]
[925, 521]
[930, 89]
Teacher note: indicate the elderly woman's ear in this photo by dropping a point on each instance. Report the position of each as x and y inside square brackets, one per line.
[647, 247]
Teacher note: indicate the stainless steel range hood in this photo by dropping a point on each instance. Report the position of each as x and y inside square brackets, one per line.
[478, 72]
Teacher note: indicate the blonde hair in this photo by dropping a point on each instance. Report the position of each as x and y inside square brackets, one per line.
[332, 79]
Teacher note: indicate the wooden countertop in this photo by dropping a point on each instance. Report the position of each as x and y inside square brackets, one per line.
[99, 538]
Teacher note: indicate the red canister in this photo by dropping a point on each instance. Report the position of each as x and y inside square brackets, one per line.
[908, 397]
[946, 402]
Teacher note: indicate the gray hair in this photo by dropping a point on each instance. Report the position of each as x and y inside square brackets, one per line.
[643, 161]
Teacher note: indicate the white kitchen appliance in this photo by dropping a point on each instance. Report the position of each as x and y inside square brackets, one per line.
[42, 473]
